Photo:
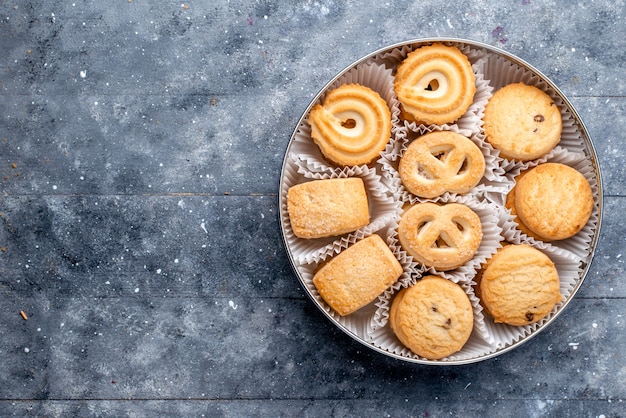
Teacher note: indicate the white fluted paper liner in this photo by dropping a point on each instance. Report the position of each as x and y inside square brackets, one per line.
[383, 210]
[413, 271]
[471, 121]
[380, 334]
[377, 78]
[356, 323]
[360, 321]
[502, 72]
[581, 243]
[492, 238]
[489, 246]
[390, 162]
[569, 268]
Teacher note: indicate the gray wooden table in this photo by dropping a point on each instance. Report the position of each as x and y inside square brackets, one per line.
[142, 268]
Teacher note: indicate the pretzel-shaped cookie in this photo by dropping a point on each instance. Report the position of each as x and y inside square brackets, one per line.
[440, 162]
[443, 237]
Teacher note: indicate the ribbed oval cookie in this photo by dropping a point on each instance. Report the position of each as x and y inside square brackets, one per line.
[352, 125]
[435, 84]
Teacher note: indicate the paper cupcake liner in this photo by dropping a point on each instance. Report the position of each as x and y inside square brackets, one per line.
[383, 210]
[493, 161]
[579, 244]
[413, 271]
[569, 268]
[390, 162]
[359, 322]
[356, 323]
[377, 78]
[492, 237]
[380, 334]
[502, 72]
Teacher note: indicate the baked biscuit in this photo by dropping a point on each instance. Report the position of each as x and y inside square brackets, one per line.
[522, 122]
[441, 236]
[554, 201]
[509, 203]
[439, 162]
[435, 84]
[357, 275]
[329, 207]
[352, 126]
[433, 318]
[519, 285]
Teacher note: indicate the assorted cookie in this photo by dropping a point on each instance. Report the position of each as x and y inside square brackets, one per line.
[552, 201]
[352, 125]
[433, 318]
[440, 162]
[444, 144]
[435, 84]
[522, 121]
[357, 275]
[328, 207]
[519, 285]
[441, 236]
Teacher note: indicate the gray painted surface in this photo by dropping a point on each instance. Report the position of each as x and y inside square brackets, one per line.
[141, 144]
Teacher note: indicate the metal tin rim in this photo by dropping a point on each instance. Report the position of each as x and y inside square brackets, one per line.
[588, 143]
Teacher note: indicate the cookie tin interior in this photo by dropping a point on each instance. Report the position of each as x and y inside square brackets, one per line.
[358, 324]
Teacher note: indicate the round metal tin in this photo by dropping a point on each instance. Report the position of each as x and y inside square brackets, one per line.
[357, 326]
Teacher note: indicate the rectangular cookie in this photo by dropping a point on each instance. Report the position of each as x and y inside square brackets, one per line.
[357, 275]
[329, 207]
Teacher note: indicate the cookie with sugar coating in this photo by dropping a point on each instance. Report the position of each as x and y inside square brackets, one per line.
[329, 207]
[357, 275]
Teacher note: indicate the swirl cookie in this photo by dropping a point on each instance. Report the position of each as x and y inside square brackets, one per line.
[357, 275]
[352, 125]
[554, 201]
[433, 318]
[522, 122]
[329, 207]
[440, 162]
[519, 285]
[435, 84]
[444, 237]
